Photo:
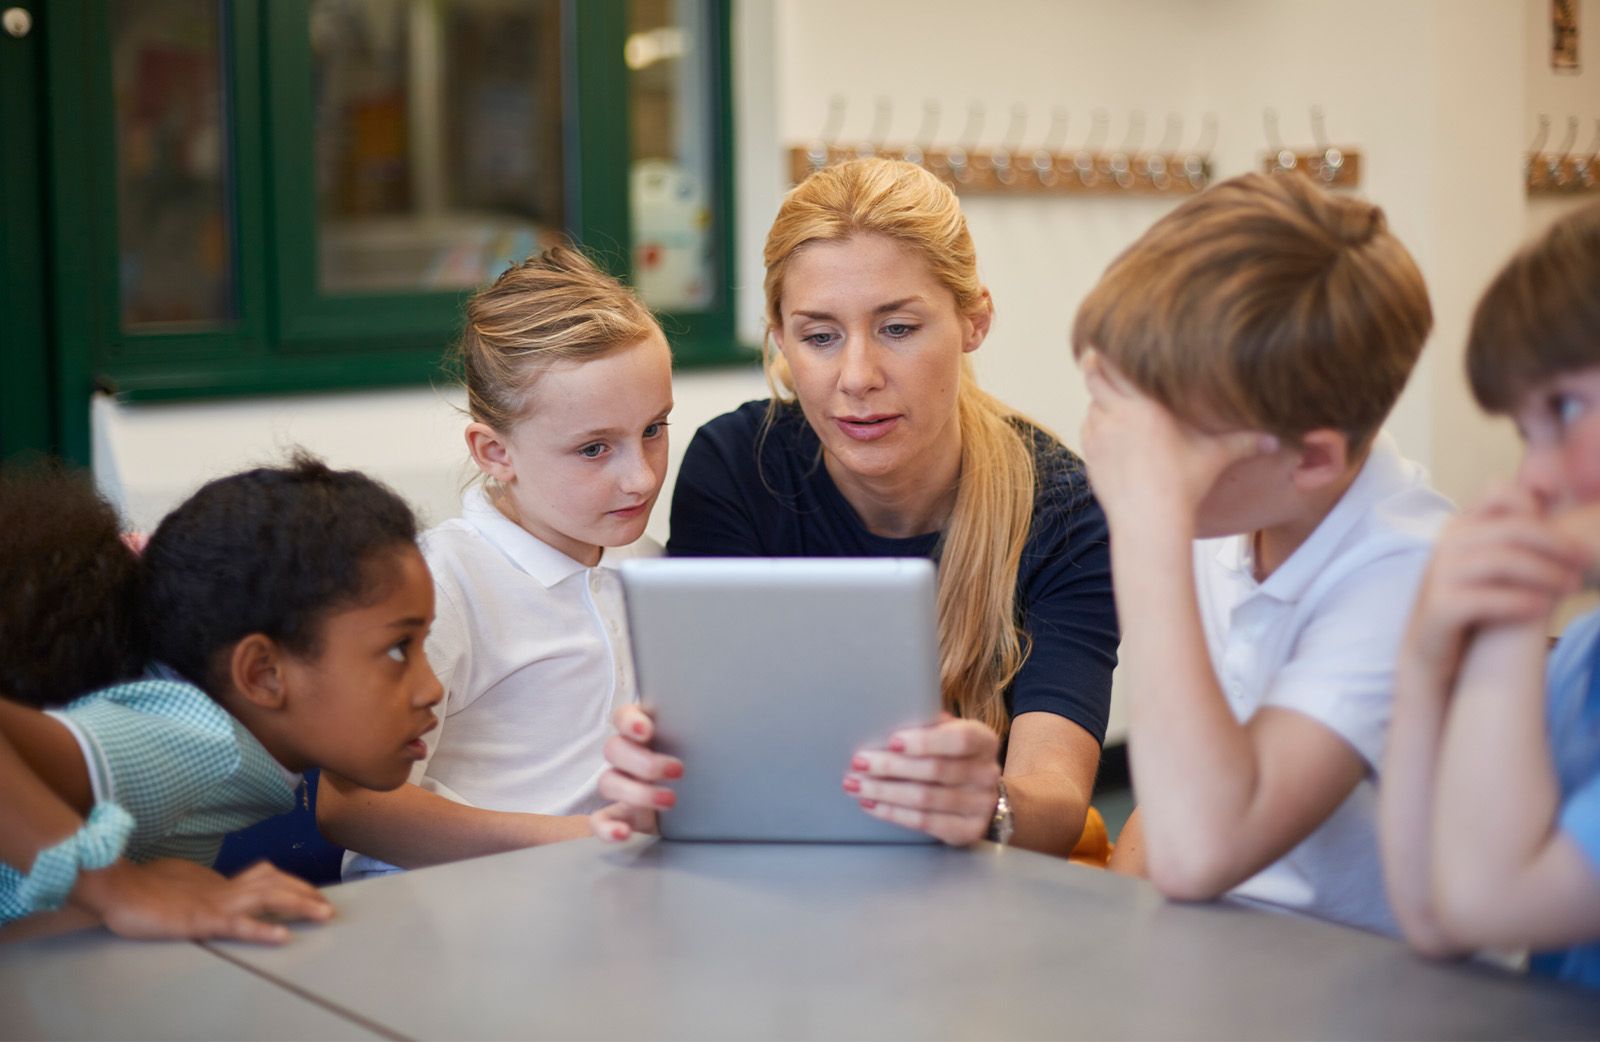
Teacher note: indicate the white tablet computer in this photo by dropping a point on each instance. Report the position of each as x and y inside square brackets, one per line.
[766, 674]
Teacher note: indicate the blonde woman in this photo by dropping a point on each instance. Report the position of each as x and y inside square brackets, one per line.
[878, 442]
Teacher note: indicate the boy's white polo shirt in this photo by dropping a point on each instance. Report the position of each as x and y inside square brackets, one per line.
[1320, 636]
[531, 648]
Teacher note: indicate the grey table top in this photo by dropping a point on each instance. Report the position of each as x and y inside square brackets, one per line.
[665, 940]
[91, 985]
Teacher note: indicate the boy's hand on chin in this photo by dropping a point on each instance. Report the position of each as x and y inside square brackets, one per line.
[1142, 460]
[1501, 562]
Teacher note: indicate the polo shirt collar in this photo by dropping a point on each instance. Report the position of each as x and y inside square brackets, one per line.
[545, 563]
[1383, 474]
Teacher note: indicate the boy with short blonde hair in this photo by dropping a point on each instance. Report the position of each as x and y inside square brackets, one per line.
[1267, 538]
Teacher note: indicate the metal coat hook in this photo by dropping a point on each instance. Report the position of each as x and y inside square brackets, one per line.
[882, 116]
[1553, 162]
[1119, 164]
[1536, 145]
[1001, 159]
[1586, 166]
[1197, 164]
[1083, 158]
[1332, 158]
[961, 153]
[1283, 158]
[817, 155]
[918, 152]
[1044, 157]
[1155, 164]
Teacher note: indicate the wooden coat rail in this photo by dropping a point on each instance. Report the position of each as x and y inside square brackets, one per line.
[1039, 172]
[1330, 167]
[1558, 171]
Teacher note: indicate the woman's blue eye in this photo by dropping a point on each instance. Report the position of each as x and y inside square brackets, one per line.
[655, 429]
[899, 329]
[818, 339]
[592, 451]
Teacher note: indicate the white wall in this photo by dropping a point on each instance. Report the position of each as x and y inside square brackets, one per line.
[1441, 96]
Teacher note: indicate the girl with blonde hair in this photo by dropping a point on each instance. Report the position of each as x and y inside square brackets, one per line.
[569, 383]
[879, 442]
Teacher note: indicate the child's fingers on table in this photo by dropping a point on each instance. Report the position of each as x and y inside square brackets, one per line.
[244, 927]
[265, 873]
[954, 829]
[945, 799]
[622, 788]
[280, 900]
[640, 761]
[945, 770]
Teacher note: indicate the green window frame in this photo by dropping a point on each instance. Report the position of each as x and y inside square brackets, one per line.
[286, 336]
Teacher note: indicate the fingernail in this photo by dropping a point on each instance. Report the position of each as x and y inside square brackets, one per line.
[637, 729]
[852, 783]
[867, 804]
[672, 770]
[860, 763]
[897, 744]
[618, 832]
[664, 798]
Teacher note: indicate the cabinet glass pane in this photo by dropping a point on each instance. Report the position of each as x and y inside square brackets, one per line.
[175, 248]
[438, 140]
[673, 179]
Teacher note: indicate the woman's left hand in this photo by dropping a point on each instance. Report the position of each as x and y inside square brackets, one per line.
[942, 779]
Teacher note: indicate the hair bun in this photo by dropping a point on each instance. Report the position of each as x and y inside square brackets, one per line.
[1358, 222]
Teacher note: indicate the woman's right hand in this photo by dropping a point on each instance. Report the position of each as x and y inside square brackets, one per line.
[631, 779]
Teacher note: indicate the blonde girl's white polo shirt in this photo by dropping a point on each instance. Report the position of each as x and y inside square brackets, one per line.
[1320, 637]
[531, 647]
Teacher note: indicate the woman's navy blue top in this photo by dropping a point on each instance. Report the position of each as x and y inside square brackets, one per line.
[727, 503]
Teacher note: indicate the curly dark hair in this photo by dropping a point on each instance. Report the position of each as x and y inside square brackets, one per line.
[69, 588]
[272, 550]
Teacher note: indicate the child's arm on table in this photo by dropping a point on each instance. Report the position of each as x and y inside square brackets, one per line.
[1505, 873]
[412, 827]
[161, 899]
[1218, 800]
[1497, 564]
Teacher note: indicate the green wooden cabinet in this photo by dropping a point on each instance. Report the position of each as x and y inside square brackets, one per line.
[202, 141]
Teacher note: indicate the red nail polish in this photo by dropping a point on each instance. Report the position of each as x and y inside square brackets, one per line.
[637, 729]
[672, 770]
[897, 745]
[852, 783]
[860, 763]
[664, 798]
[618, 832]
[868, 804]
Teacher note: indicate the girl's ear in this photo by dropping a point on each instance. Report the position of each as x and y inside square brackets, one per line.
[490, 452]
[257, 668]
